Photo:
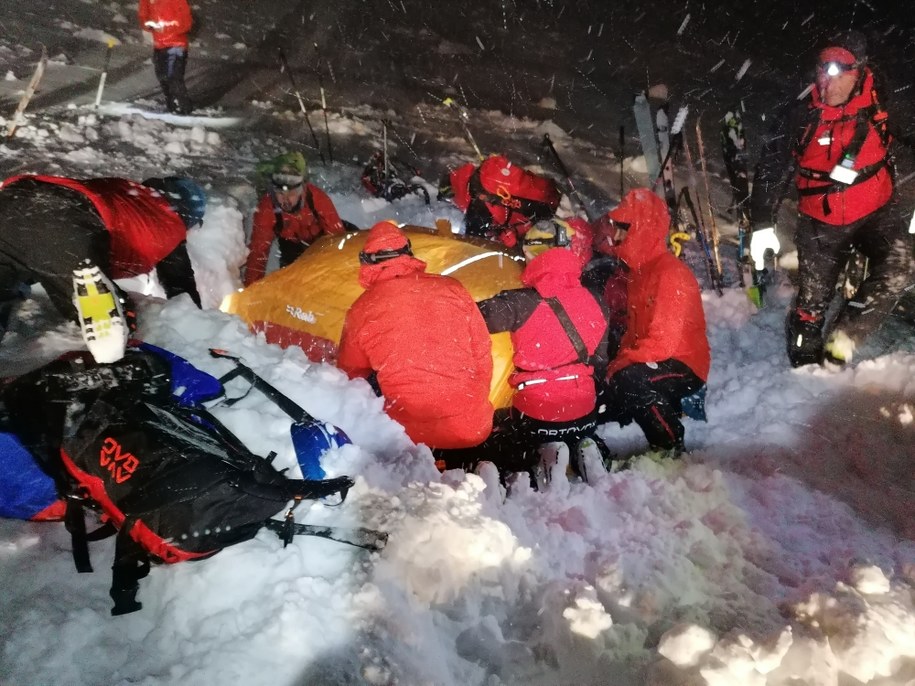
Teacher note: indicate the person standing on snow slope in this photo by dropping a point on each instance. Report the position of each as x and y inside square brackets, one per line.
[293, 212]
[421, 342]
[169, 22]
[839, 147]
[559, 333]
[500, 200]
[664, 355]
[50, 225]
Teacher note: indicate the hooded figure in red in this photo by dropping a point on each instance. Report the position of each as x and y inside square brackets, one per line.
[664, 355]
[838, 148]
[422, 343]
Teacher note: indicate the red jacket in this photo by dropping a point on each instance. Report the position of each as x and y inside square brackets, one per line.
[666, 319]
[424, 338]
[827, 138]
[144, 229]
[552, 382]
[302, 225]
[514, 196]
[174, 16]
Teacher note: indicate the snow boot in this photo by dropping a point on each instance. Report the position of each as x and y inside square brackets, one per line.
[805, 339]
[590, 459]
[101, 316]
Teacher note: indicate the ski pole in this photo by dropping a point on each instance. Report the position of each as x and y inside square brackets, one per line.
[548, 142]
[104, 76]
[330, 147]
[284, 66]
[708, 196]
[29, 92]
[462, 116]
[622, 158]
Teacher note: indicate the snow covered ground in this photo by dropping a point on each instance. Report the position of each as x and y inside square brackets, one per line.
[779, 552]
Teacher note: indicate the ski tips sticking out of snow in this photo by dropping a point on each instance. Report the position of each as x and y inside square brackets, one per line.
[28, 93]
[679, 120]
[647, 134]
[101, 317]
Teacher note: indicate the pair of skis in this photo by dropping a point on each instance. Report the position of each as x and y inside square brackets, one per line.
[662, 144]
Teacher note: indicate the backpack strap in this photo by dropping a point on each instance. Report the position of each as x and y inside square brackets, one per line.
[577, 342]
[131, 563]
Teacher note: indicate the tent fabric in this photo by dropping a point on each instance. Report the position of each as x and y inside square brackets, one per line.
[305, 303]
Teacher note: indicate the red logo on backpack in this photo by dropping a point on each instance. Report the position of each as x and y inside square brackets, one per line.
[121, 464]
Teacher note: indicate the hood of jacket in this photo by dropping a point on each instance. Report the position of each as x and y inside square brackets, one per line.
[389, 269]
[649, 225]
[552, 272]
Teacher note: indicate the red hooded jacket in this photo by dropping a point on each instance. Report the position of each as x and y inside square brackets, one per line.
[174, 17]
[316, 216]
[827, 139]
[666, 319]
[552, 382]
[424, 337]
[144, 229]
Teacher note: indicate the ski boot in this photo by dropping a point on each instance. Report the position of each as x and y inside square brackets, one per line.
[590, 459]
[804, 338]
[101, 316]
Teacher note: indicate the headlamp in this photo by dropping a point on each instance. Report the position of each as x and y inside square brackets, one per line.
[286, 182]
[835, 68]
[382, 255]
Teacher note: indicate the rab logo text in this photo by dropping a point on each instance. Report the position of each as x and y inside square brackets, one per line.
[121, 464]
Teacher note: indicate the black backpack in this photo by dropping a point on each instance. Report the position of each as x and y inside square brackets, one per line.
[171, 481]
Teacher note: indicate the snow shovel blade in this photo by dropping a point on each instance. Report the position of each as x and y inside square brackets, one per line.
[310, 441]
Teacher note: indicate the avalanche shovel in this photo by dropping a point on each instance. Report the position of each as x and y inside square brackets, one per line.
[310, 437]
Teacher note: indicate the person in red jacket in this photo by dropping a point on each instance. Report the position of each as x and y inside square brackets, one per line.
[664, 354]
[292, 212]
[51, 225]
[837, 148]
[169, 22]
[559, 333]
[500, 200]
[421, 342]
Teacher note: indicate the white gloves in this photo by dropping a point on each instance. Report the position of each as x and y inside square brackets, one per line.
[760, 241]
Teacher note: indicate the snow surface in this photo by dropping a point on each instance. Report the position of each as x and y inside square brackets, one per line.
[778, 552]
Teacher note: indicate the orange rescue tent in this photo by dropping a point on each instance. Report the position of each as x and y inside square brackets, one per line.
[305, 303]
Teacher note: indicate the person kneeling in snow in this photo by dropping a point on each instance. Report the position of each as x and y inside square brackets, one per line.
[664, 356]
[421, 342]
[560, 337]
[500, 200]
[293, 212]
[60, 231]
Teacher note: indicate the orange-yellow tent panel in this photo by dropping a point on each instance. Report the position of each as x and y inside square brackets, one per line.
[308, 300]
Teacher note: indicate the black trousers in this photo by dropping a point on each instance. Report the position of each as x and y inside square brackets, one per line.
[45, 232]
[513, 445]
[169, 64]
[651, 396]
[823, 251]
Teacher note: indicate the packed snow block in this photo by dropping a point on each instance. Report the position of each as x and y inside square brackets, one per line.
[25, 490]
[305, 303]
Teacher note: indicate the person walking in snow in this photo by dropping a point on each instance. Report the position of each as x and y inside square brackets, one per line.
[500, 200]
[169, 22]
[51, 225]
[838, 147]
[293, 212]
[421, 342]
[559, 333]
[664, 354]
